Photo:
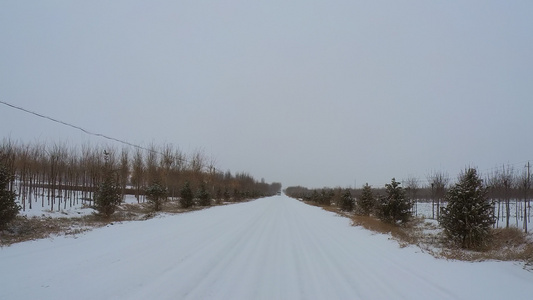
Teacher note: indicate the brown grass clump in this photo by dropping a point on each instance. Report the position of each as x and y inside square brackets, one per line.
[407, 234]
[25, 229]
[507, 244]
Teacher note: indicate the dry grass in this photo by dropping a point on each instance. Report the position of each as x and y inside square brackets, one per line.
[407, 234]
[24, 229]
[507, 244]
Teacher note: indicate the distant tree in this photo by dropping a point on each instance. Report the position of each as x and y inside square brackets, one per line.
[203, 196]
[524, 185]
[315, 196]
[507, 180]
[8, 206]
[411, 188]
[218, 195]
[394, 207]
[469, 215]
[367, 201]
[109, 194]
[237, 195]
[346, 201]
[326, 195]
[187, 196]
[124, 171]
[439, 181]
[227, 196]
[156, 194]
[138, 173]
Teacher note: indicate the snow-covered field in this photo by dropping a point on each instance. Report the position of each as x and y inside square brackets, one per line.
[516, 219]
[77, 209]
[271, 248]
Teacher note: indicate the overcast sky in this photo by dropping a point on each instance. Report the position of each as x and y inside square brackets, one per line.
[313, 93]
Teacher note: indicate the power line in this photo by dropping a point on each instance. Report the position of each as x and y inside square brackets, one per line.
[76, 127]
[87, 131]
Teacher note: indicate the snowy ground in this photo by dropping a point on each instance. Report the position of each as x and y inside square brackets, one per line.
[271, 248]
[78, 209]
[426, 210]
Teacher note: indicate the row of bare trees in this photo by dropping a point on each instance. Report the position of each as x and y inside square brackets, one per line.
[60, 176]
[508, 188]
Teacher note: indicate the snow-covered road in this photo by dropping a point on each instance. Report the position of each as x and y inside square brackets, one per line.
[271, 248]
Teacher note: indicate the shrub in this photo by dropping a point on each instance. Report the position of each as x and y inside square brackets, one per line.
[394, 207]
[8, 206]
[203, 196]
[367, 201]
[187, 197]
[156, 194]
[227, 196]
[468, 217]
[346, 201]
[108, 196]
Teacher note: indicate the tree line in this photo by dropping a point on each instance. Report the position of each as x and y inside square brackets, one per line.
[60, 176]
[466, 209]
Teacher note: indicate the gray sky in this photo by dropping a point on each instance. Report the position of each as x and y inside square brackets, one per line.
[313, 93]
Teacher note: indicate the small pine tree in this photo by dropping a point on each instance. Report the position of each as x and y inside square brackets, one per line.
[367, 201]
[187, 197]
[227, 196]
[237, 195]
[156, 194]
[8, 206]
[394, 207]
[468, 217]
[108, 196]
[315, 196]
[203, 196]
[346, 201]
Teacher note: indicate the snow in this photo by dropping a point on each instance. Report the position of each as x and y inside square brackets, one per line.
[425, 210]
[270, 248]
[76, 208]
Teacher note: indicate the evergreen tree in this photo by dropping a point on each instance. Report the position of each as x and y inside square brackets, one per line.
[468, 217]
[109, 194]
[326, 195]
[156, 195]
[367, 201]
[8, 206]
[187, 197]
[315, 196]
[346, 201]
[394, 207]
[203, 196]
[227, 196]
[237, 195]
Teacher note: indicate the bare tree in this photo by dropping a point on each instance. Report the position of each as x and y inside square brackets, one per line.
[138, 175]
[495, 189]
[124, 172]
[438, 182]
[412, 187]
[524, 185]
[507, 181]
